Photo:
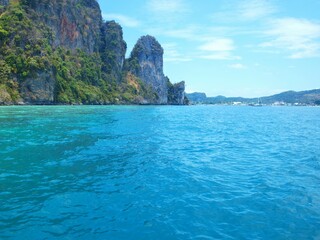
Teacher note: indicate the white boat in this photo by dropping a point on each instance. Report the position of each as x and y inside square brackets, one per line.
[258, 104]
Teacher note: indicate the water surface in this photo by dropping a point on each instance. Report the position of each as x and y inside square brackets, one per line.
[133, 172]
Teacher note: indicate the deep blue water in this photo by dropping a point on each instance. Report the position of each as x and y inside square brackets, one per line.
[133, 172]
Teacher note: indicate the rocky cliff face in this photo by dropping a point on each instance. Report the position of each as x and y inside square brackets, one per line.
[146, 62]
[61, 52]
[74, 23]
[39, 90]
[176, 94]
[113, 50]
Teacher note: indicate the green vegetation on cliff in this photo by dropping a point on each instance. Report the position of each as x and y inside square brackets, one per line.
[21, 48]
[46, 58]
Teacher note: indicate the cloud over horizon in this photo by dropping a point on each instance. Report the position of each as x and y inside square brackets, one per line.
[300, 38]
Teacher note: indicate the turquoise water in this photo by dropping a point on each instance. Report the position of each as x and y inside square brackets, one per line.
[133, 172]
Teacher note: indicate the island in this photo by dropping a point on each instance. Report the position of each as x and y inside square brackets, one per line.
[62, 52]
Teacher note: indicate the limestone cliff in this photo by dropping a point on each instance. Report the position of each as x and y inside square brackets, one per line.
[61, 52]
[146, 62]
[113, 50]
[39, 90]
[74, 23]
[176, 94]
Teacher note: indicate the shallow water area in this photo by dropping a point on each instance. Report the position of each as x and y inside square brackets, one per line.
[159, 172]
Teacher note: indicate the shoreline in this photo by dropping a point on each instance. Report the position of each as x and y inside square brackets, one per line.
[155, 105]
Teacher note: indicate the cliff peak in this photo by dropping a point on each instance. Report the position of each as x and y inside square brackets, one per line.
[113, 50]
[146, 62]
[62, 52]
[176, 94]
[147, 45]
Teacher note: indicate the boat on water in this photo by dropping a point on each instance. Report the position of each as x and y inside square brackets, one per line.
[258, 104]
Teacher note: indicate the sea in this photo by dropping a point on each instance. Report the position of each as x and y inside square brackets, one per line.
[159, 172]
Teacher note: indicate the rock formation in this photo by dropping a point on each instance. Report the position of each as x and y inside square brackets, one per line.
[39, 90]
[176, 94]
[74, 23]
[147, 64]
[61, 52]
[113, 49]
[197, 97]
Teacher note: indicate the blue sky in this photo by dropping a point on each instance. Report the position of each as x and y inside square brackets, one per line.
[244, 48]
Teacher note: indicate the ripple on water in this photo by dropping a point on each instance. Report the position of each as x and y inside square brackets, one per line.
[198, 172]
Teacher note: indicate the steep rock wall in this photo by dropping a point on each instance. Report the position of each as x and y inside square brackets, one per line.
[60, 51]
[146, 62]
[39, 90]
[176, 93]
[113, 50]
[74, 23]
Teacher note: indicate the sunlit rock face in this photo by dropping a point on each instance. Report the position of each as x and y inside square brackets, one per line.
[147, 64]
[75, 24]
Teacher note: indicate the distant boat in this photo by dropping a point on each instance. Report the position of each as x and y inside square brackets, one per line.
[258, 104]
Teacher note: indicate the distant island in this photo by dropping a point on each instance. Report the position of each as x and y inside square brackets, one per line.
[302, 98]
[62, 52]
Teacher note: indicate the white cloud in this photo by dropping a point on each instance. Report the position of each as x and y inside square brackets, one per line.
[167, 12]
[299, 37]
[171, 53]
[246, 10]
[167, 6]
[177, 59]
[255, 9]
[208, 47]
[218, 49]
[220, 56]
[221, 44]
[200, 41]
[192, 32]
[122, 19]
[186, 33]
[238, 66]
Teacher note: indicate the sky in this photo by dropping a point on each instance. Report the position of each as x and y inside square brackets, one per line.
[247, 48]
